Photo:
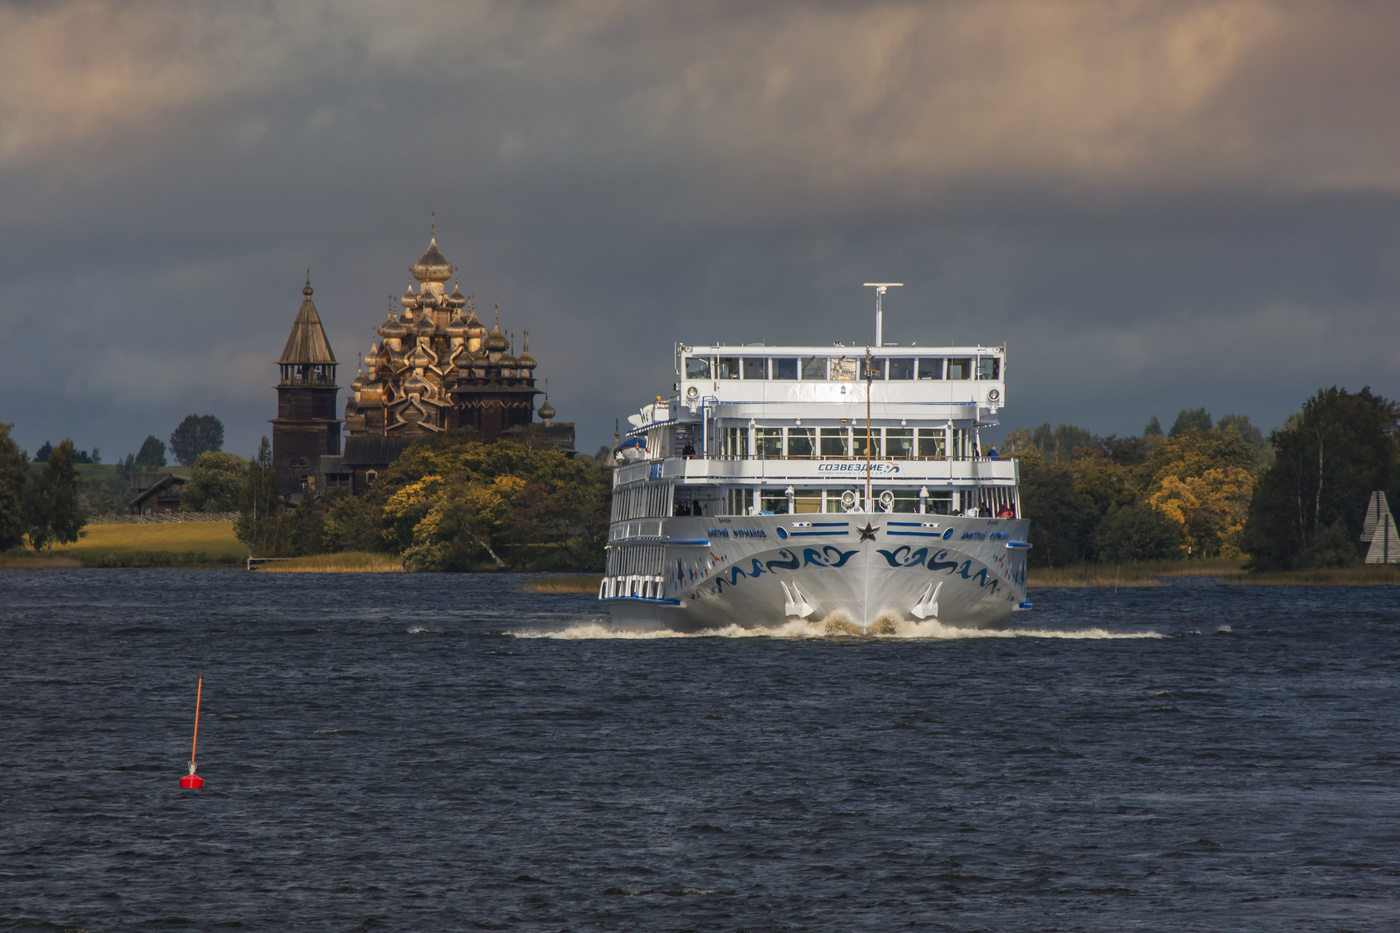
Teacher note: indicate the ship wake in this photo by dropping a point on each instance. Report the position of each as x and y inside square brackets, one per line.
[833, 626]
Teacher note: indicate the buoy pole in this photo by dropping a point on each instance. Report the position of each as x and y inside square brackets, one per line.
[192, 779]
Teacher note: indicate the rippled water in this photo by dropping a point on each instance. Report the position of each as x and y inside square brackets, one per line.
[443, 752]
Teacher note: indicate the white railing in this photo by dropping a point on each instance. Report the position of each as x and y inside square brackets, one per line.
[981, 471]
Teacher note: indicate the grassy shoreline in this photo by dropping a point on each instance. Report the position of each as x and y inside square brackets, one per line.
[213, 545]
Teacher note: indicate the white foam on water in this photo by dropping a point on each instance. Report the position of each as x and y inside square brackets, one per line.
[833, 626]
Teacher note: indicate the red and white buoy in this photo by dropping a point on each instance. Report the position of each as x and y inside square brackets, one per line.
[192, 779]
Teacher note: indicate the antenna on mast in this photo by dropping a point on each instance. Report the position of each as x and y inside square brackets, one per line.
[879, 312]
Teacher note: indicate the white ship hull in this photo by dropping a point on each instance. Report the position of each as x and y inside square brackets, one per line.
[856, 569]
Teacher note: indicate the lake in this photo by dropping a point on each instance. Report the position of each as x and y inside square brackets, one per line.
[440, 752]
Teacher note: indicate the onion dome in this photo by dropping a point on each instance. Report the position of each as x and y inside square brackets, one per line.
[372, 358]
[409, 300]
[474, 326]
[496, 341]
[527, 361]
[457, 327]
[416, 383]
[358, 382]
[425, 326]
[419, 359]
[546, 411]
[393, 327]
[456, 299]
[432, 266]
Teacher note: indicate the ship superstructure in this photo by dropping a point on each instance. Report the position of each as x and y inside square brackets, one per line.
[782, 482]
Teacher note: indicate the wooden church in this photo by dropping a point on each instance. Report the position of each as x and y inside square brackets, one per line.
[432, 369]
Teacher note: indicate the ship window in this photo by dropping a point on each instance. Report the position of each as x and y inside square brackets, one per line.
[769, 442]
[784, 367]
[773, 500]
[697, 367]
[960, 369]
[728, 367]
[736, 443]
[876, 370]
[933, 442]
[988, 367]
[899, 443]
[835, 443]
[858, 443]
[843, 369]
[930, 369]
[755, 367]
[939, 503]
[901, 369]
[814, 367]
[905, 500]
[802, 442]
[807, 501]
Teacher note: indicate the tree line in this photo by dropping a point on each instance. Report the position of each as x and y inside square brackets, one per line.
[1206, 488]
[449, 503]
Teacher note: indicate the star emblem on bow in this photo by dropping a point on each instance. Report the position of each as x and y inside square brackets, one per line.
[868, 532]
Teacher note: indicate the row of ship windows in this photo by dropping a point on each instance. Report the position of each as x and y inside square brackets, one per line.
[845, 443]
[840, 369]
[813, 501]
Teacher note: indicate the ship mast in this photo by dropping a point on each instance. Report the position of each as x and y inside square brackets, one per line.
[879, 342]
[869, 503]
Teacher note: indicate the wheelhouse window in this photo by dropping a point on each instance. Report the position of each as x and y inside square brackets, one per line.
[784, 367]
[901, 369]
[755, 367]
[905, 500]
[697, 367]
[988, 367]
[858, 443]
[807, 501]
[728, 367]
[802, 442]
[835, 443]
[933, 443]
[899, 443]
[876, 369]
[960, 368]
[769, 442]
[844, 369]
[773, 500]
[939, 503]
[930, 369]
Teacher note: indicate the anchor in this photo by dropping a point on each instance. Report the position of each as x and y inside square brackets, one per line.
[927, 605]
[796, 604]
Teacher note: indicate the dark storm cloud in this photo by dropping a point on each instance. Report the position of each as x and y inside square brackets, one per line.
[1153, 205]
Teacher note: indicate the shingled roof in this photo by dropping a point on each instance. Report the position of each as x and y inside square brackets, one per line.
[307, 342]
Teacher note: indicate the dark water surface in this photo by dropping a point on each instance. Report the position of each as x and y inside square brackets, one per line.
[387, 753]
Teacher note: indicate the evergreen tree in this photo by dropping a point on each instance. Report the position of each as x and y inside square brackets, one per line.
[53, 511]
[152, 455]
[42, 454]
[1191, 419]
[1153, 429]
[14, 482]
[1309, 506]
[196, 435]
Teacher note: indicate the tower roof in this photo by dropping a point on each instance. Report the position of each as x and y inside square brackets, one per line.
[307, 343]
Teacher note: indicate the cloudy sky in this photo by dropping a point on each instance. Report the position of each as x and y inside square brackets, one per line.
[1153, 205]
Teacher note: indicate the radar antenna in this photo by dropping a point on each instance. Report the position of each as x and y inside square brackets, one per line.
[879, 312]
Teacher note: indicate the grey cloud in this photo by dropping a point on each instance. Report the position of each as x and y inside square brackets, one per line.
[1153, 205]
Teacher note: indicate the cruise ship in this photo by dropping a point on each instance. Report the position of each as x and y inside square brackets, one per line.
[838, 484]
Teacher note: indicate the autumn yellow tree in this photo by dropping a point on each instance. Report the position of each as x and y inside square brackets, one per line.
[1209, 508]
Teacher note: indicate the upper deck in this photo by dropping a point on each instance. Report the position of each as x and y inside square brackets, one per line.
[907, 382]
